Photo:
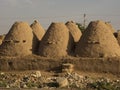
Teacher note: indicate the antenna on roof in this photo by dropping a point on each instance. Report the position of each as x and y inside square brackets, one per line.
[84, 22]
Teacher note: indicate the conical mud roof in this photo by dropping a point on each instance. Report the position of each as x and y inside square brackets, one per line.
[18, 41]
[110, 27]
[0, 41]
[118, 36]
[98, 41]
[37, 30]
[74, 30]
[55, 41]
[38, 33]
[1, 38]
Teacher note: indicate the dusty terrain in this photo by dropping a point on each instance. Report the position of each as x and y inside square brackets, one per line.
[48, 80]
[88, 73]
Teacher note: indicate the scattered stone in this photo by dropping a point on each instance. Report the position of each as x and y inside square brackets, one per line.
[7, 86]
[66, 80]
[25, 86]
[2, 73]
[36, 74]
[62, 82]
[25, 78]
[67, 68]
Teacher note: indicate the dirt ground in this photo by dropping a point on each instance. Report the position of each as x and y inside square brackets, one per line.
[94, 68]
[51, 74]
[48, 74]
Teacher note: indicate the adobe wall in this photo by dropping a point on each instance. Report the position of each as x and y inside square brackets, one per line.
[100, 65]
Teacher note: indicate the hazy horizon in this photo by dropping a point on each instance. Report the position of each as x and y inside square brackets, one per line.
[47, 11]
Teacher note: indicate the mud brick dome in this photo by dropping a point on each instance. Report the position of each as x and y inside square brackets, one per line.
[98, 41]
[18, 41]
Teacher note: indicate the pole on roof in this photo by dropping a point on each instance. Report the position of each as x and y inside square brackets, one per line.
[84, 22]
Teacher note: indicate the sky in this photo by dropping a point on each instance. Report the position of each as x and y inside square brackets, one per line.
[48, 11]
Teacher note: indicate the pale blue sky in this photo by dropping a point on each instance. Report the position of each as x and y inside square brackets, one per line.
[47, 11]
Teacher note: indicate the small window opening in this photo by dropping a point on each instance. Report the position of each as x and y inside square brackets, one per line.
[8, 41]
[15, 41]
[24, 41]
[116, 34]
